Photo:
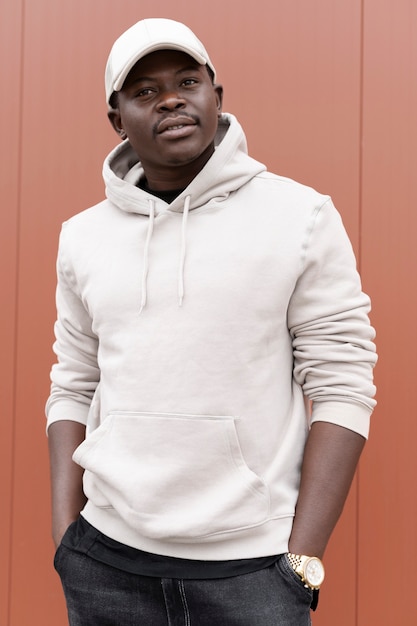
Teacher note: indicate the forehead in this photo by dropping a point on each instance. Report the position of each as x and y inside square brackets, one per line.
[161, 61]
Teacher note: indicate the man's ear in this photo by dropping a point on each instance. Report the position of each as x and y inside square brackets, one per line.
[218, 90]
[116, 122]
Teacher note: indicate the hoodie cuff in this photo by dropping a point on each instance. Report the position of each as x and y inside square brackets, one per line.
[355, 417]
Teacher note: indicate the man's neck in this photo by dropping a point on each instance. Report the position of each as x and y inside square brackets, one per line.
[167, 195]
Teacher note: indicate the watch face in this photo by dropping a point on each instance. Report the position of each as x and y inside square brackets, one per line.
[314, 572]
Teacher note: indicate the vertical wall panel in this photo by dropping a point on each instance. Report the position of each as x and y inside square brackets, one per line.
[293, 77]
[388, 505]
[60, 175]
[10, 76]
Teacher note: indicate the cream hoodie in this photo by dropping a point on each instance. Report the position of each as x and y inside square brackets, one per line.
[192, 337]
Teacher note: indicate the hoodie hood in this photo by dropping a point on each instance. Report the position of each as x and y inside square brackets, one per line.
[228, 169]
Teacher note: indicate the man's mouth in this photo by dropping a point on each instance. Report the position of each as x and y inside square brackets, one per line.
[170, 124]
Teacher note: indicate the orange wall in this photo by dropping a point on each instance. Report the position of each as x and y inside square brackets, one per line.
[327, 93]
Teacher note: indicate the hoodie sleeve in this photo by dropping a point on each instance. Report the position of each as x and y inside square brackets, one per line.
[334, 353]
[75, 375]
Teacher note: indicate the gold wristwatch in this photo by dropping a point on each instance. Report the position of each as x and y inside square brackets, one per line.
[309, 568]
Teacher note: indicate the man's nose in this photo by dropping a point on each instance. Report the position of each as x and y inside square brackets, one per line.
[170, 101]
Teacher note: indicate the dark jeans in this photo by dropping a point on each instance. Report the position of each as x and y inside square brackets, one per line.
[100, 595]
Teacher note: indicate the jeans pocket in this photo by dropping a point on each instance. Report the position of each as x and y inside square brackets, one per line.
[304, 593]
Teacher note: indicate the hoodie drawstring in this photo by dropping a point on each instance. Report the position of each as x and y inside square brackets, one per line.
[183, 248]
[186, 211]
[146, 255]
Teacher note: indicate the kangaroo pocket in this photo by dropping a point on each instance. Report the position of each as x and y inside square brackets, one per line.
[175, 477]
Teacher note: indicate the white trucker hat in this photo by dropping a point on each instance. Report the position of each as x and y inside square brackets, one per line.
[145, 37]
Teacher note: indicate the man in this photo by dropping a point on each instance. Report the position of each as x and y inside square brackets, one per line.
[202, 308]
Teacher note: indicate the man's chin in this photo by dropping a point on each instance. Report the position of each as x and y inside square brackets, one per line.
[192, 158]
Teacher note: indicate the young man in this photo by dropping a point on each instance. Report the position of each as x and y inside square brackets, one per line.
[202, 308]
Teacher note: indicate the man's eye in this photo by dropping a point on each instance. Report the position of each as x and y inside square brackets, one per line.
[189, 81]
[144, 92]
